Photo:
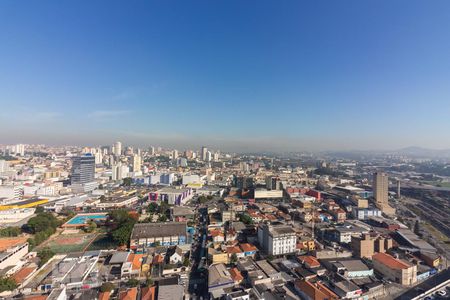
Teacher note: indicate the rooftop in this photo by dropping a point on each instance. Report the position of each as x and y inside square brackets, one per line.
[147, 230]
[6, 243]
[390, 261]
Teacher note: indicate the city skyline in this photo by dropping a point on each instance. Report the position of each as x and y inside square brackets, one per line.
[234, 76]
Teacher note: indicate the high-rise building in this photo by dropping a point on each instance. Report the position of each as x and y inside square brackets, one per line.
[216, 156]
[175, 154]
[273, 183]
[380, 188]
[204, 153]
[381, 192]
[98, 157]
[118, 149]
[182, 162]
[208, 157]
[119, 171]
[20, 149]
[152, 151]
[137, 163]
[83, 169]
[4, 166]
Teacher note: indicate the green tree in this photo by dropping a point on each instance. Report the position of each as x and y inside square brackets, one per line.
[270, 257]
[186, 262]
[233, 258]
[119, 216]
[10, 231]
[202, 199]
[133, 282]
[152, 207]
[39, 210]
[162, 218]
[122, 234]
[44, 255]
[107, 287]
[126, 181]
[7, 284]
[246, 219]
[123, 226]
[149, 281]
[91, 226]
[163, 207]
[42, 221]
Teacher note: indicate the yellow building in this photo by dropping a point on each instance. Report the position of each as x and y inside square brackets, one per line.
[24, 204]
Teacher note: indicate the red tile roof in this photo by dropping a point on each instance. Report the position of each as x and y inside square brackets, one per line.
[309, 260]
[316, 290]
[234, 249]
[246, 247]
[20, 276]
[129, 294]
[390, 261]
[148, 293]
[6, 243]
[236, 275]
[104, 295]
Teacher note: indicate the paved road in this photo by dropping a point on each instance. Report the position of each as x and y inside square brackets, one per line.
[199, 278]
[426, 285]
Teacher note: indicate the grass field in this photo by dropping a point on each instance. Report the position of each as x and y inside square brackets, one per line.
[65, 243]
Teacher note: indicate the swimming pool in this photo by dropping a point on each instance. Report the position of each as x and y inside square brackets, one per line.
[83, 219]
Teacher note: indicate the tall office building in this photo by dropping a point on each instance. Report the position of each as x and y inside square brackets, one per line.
[152, 151]
[273, 183]
[381, 192]
[216, 156]
[83, 169]
[175, 154]
[4, 166]
[204, 153]
[208, 157]
[137, 163]
[20, 149]
[118, 149]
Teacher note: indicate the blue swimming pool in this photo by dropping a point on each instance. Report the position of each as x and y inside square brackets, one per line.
[83, 219]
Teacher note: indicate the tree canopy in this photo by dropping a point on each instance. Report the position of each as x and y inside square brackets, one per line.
[44, 255]
[123, 224]
[7, 284]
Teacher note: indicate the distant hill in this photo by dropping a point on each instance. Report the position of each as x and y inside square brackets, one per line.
[424, 152]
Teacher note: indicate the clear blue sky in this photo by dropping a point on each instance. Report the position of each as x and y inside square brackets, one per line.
[239, 75]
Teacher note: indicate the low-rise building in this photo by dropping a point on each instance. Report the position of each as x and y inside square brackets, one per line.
[219, 278]
[153, 234]
[395, 269]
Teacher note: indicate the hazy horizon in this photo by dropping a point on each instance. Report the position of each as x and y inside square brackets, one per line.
[233, 75]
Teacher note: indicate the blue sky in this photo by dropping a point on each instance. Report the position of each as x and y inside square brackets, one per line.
[239, 75]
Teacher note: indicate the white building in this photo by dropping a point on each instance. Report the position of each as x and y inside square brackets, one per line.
[118, 149]
[12, 255]
[136, 163]
[266, 194]
[191, 178]
[15, 215]
[4, 166]
[11, 193]
[277, 239]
